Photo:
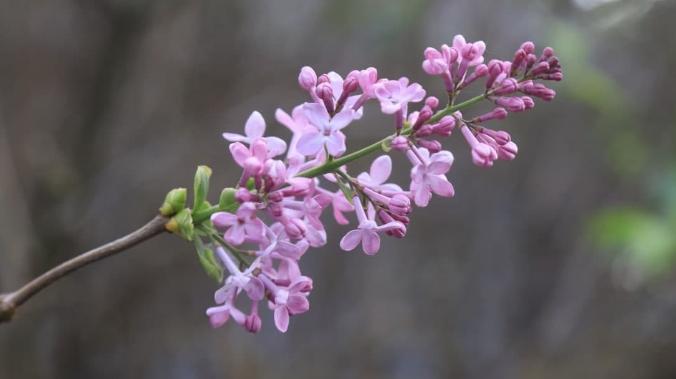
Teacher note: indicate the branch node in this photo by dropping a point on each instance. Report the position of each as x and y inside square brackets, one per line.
[7, 309]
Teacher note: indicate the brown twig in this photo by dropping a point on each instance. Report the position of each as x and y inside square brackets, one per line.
[11, 301]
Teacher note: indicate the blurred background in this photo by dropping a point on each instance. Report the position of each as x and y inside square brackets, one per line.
[557, 265]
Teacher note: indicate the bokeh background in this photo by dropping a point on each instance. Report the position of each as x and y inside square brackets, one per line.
[557, 265]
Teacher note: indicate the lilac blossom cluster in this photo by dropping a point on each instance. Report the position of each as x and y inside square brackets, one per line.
[284, 188]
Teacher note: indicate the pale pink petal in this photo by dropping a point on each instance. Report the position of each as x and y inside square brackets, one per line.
[310, 143]
[286, 120]
[351, 240]
[234, 137]
[335, 143]
[255, 126]
[440, 185]
[276, 146]
[297, 304]
[316, 114]
[342, 119]
[370, 242]
[421, 196]
[282, 319]
[235, 235]
[218, 319]
[438, 167]
[388, 107]
[222, 220]
[381, 168]
[239, 152]
[255, 289]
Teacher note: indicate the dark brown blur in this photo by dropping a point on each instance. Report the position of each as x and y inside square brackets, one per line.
[559, 264]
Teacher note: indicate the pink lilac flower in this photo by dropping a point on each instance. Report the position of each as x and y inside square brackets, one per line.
[483, 155]
[288, 301]
[253, 130]
[428, 175]
[239, 227]
[327, 131]
[394, 95]
[380, 171]
[367, 232]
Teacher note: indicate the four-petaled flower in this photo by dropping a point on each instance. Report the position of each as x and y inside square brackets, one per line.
[428, 175]
[254, 130]
[327, 130]
[367, 231]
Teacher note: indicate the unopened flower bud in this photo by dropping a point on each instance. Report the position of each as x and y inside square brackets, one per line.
[399, 143]
[498, 113]
[174, 202]
[253, 323]
[433, 146]
[432, 102]
[307, 78]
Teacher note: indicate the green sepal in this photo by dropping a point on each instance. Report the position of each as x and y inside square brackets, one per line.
[201, 186]
[227, 202]
[251, 184]
[386, 145]
[181, 224]
[208, 260]
[174, 202]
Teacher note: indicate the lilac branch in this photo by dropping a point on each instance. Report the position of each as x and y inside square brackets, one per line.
[10, 302]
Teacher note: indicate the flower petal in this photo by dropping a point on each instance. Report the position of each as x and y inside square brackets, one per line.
[255, 126]
[381, 168]
[370, 242]
[297, 304]
[310, 143]
[282, 319]
[351, 240]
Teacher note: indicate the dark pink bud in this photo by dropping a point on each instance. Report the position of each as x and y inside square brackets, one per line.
[399, 143]
[400, 204]
[498, 113]
[479, 72]
[275, 196]
[548, 52]
[325, 93]
[424, 115]
[253, 323]
[507, 86]
[432, 102]
[433, 146]
[512, 104]
[557, 76]
[323, 78]
[519, 57]
[500, 137]
[243, 195]
[294, 227]
[350, 85]
[387, 218]
[528, 102]
[307, 78]
[540, 68]
[424, 131]
[528, 47]
[444, 127]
